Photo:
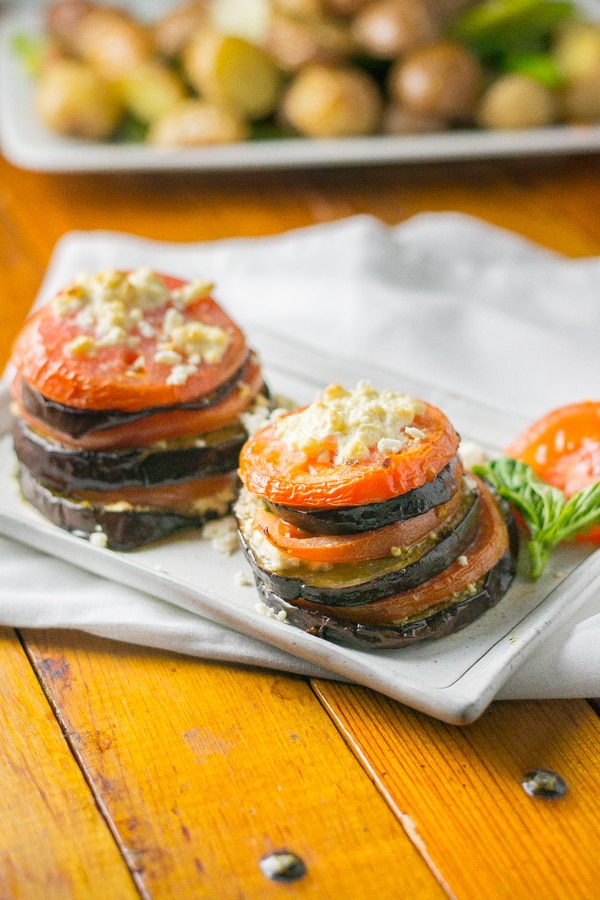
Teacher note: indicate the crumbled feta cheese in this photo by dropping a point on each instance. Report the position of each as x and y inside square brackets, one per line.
[242, 579]
[391, 445]
[207, 342]
[98, 539]
[354, 421]
[471, 454]
[222, 533]
[191, 291]
[114, 308]
[462, 560]
[83, 345]
[270, 613]
[415, 433]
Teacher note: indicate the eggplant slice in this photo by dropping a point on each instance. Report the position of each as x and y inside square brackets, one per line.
[354, 519]
[125, 528]
[437, 622]
[440, 623]
[355, 584]
[68, 469]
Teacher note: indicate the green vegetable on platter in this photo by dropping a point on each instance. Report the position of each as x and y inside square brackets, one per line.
[548, 515]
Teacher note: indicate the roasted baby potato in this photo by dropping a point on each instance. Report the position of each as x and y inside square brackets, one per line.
[72, 98]
[197, 123]
[516, 101]
[443, 80]
[150, 90]
[324, 102]
[294, 43]
[385, 29]
[233, 72]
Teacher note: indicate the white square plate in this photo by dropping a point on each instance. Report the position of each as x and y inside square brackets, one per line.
[453, 678]
[26, 143]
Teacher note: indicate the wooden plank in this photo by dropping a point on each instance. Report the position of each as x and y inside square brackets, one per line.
[460, 790]
[54, 842]
[202, 769]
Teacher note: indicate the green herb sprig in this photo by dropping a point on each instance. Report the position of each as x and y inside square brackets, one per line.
[548, 515]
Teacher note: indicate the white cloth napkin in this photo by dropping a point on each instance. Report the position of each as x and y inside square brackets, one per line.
[443, 297]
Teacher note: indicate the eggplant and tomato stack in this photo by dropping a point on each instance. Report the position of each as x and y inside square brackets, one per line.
[362, 527]
[129, 398]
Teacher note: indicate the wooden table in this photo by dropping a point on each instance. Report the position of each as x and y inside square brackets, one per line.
[126, 772]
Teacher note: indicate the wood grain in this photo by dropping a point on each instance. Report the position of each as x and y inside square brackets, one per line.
[202, 769]
[460, 790]
[53, 841]
[199, 769]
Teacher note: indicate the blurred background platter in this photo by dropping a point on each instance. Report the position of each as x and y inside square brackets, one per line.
[27, 143]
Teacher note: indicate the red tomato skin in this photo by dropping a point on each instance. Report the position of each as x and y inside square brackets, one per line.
[160, 426]
[271, 470]
[101, 381]
[563, 449]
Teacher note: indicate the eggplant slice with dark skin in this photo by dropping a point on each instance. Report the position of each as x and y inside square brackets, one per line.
[439, 623]
[354, 519]
[69, 469]
[366, 582]
[125, 529]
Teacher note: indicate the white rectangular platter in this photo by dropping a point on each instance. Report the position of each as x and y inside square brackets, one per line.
[453, 679]
[26, 143]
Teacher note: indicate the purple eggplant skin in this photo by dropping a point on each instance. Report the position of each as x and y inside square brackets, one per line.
[75, 422]
[354, 519]
[126, 530]
[70, 469]
[399, 577]
[441, 623]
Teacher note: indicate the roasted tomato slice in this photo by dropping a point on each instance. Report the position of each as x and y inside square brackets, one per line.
[563, 449]
[167, 496]
[112, 356]
[165, 425]
[352, 547]
[280, 474]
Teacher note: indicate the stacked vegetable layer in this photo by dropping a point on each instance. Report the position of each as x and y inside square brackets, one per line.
[129, 394]
[361, 526]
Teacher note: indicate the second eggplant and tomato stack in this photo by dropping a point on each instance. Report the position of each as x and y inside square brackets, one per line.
[361, 525]
[129, 399]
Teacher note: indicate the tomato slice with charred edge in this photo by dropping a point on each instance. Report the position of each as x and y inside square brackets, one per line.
[270, 469]
[168, 496]
[164, 425]
[563, 449]
[105, 379]
[488, 546]
[352, 547]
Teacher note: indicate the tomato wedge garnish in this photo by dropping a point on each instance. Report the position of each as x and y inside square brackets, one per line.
[352, 547]
[109, 377]
[490, 543]
[163, 425]
[563, 449]
[271, 469]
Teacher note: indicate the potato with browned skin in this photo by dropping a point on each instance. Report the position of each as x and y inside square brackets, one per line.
[325, 101]
[442, 79]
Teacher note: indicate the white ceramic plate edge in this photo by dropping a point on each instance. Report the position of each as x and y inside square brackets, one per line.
[458, 701]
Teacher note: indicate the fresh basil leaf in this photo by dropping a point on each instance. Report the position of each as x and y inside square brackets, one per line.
[549, 516]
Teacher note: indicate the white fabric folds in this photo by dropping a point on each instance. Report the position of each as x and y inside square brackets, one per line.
[447, 298]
